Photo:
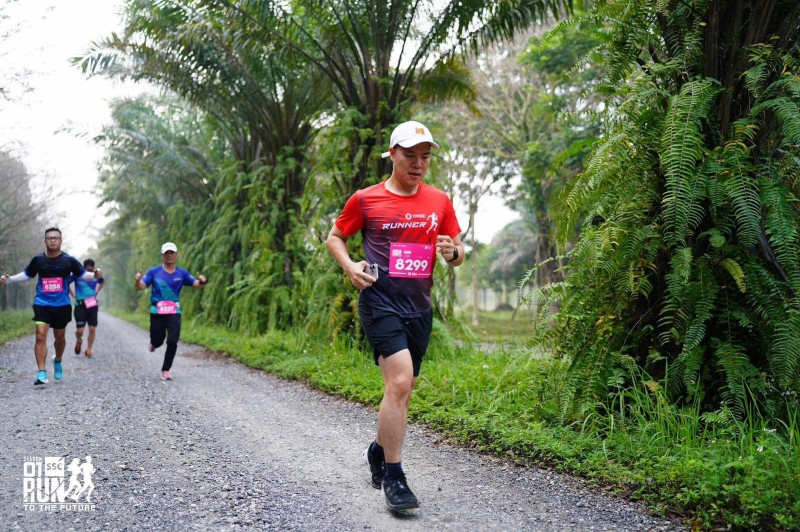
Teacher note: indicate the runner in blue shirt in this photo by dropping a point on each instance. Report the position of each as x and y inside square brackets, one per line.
[165, 307]
[86, 307]
[51, 307]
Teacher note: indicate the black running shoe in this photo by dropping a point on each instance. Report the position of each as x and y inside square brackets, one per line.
[377, 467]
[398, 496]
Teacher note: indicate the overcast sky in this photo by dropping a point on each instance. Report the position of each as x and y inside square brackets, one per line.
[50, 126]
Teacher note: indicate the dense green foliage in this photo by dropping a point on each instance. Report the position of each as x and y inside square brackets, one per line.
[687, 261]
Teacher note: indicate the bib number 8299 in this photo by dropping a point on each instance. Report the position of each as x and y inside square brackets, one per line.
[411, 265]
[410, 260]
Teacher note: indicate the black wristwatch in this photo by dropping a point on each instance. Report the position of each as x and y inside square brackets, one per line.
[455, 254]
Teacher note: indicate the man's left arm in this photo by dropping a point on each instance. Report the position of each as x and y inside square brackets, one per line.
[80, 273]
[451, 249]
[199, 280]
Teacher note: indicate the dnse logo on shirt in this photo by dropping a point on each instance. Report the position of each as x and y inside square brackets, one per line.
[433, 217]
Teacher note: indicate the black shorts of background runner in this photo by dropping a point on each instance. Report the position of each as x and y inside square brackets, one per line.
[389, 334]
[85, 315]
[55, 317]
[166, 326]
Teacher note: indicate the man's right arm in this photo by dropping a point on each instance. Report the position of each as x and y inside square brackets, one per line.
[137, 281]
[337, 245]
[21, 277]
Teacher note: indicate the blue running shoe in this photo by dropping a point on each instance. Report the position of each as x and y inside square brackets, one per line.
[58, 371]
[41, 378]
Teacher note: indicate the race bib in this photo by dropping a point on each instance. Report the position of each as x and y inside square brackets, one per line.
[51, 285]
[167, 307]
[410, 260]
[90, 302]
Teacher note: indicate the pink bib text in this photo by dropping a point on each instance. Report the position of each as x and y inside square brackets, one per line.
[167, 307]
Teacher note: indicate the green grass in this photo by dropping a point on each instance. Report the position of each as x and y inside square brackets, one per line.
[498, 327]
[711, 470]
[15, 323]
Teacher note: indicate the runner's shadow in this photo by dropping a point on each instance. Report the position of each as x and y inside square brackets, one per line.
[404, 515]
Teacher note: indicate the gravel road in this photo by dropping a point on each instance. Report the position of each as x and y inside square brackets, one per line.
[224, 447]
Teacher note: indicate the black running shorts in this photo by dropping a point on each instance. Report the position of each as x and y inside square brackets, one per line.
[55, 317]
[389, 334]
[85, 315]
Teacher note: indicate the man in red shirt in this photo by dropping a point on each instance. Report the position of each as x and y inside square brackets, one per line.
[404, 222]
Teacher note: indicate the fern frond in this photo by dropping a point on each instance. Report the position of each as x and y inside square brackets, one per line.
[682, 148]
[785, 357]
[780, 226]
[742, 191]
[733, 268]
[740, 375]
[787, 112]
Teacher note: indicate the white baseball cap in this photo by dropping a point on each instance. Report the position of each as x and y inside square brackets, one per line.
[168, 246]
[410, 134]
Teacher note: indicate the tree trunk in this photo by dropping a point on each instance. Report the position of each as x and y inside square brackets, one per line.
[473, 206]
[451, 292]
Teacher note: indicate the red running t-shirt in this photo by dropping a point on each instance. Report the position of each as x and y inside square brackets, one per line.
[385, 218]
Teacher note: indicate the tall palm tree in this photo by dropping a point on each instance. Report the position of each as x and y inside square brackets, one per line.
[264, 97]
[156, 153]
[380, 56]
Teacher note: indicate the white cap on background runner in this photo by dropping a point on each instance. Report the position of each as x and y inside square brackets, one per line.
[168, 246]
[409, 134]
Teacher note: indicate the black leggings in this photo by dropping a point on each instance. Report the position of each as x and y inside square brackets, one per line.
[166, 326]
